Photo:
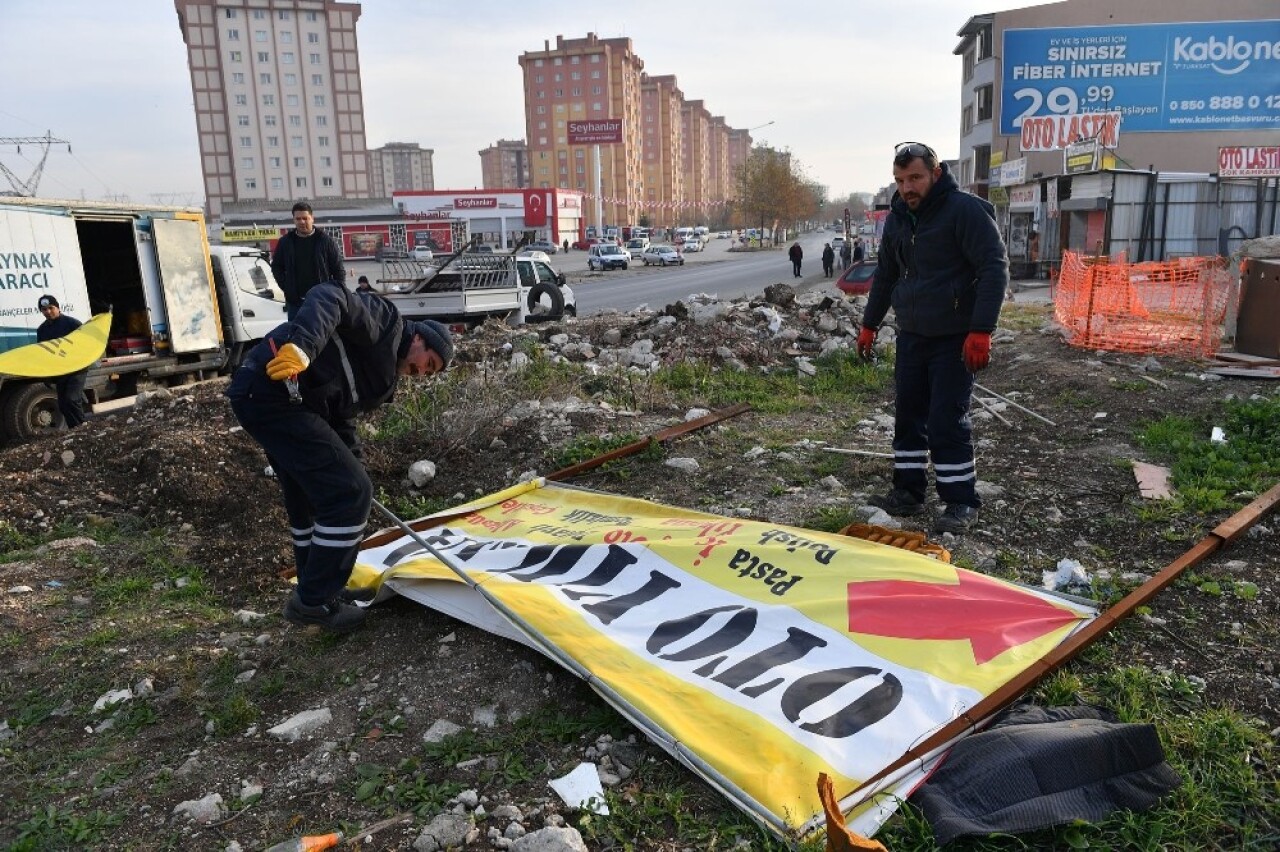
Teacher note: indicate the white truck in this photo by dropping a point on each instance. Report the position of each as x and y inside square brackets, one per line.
[467, 289]
[182, 310]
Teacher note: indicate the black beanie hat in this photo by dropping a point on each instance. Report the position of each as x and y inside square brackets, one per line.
[435, 335]
[46, 300]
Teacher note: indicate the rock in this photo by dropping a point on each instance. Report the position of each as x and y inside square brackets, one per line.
[612, 336]
[686, 465]
[111, 698]
[440, 731]
[831, 483]
[519, 361]
[805, 367]
[780, 294]
[988, 490]
[446, 831]
[754, 453]
[551, 839]
[558, 339]
[203, 811]
[705, 314]
[827, 323]
[421, 472]
[695, 413]
[301, 724]
[486, 716]
[247, 616]
[68, 458]
[724, 352]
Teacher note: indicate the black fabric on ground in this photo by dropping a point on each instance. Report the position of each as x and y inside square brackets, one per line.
[1039, 767]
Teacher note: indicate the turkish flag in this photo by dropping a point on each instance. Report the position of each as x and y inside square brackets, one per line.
[535, 208]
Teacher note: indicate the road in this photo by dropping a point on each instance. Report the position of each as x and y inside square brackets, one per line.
[715, 270]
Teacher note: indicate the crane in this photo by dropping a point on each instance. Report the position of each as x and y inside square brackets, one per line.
[28, 187]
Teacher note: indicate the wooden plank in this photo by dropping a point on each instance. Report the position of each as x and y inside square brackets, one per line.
[1246, 372]
[1246, 358]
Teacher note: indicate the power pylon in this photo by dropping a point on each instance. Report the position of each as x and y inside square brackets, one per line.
[28, 187]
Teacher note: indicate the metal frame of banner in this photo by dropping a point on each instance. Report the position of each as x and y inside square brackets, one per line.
[1221, 535]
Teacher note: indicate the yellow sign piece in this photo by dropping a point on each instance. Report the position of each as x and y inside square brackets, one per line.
[249, 235]
[60, 356]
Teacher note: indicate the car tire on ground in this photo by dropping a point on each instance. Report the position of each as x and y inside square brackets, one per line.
[29, 411]
[554, 301]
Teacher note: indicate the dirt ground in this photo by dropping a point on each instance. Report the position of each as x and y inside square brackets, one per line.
[177, 470]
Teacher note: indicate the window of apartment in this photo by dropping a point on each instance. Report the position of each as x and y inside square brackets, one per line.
[542, 155]
[564, 168]
[242, 100]
[273, 141]
[559, 60]
[277, 183]
[236, 56]
[300, 183]
[597, 106]
[242, 120]
[326, 162]
[576, 75]
[559, 93]
[295, 141]
[984, 43]
[575, 60]
[274, 162]
[581, 168]
[540, 109]
[559, 107]
[246, 141]
[260, 35]
[286, 37]
[259, 14]
[317, 79]
[537, 63]
[578, 106]
[291, 100]
[981, 162]
[231, 13]
[968, 65]
[299, 162]
[263, 56]
[268, 100]
[238, 77]
[284, 16]
[984, 102]
[326, 181]
[562, 154]
[595, 58]
[250, 183]
[313, 38]
[314, 59]
[286, 58]
[322, 121]
[264, 79]
[542, 140]
[295, 121]
[576, 91]
[595, 90]
[322, 141]
[313, 16]
[291, 79]
[595, 75]
[233, 35]
[579, 153]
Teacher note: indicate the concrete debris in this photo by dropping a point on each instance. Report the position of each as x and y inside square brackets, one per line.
[421, 472]
[298, 726]
[685, 465]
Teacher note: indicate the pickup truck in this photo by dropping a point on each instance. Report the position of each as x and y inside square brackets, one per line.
[181, 310]
[468, 288]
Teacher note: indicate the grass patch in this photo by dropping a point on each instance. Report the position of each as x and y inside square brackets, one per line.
[842, 377]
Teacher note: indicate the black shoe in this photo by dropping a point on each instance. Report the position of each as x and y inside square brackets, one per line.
[335, 616]
[898, 502]
[956, 519]
[357, 596]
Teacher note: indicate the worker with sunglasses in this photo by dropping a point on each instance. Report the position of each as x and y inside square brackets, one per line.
[943, 268]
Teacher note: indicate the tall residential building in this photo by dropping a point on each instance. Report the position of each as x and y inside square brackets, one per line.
[278, 104]
[696, 122]
[585, 79]
[717, 167]
[505, 165]
[739, 151]
[398, 167]
[663, 149]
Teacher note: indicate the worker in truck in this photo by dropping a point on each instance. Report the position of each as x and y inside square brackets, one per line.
[303, 258]
[70, 387]
[297, 394]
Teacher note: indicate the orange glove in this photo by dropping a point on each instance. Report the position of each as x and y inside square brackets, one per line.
[866, 340]
[977, 350]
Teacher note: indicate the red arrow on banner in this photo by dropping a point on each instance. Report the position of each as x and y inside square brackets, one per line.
[994, 617]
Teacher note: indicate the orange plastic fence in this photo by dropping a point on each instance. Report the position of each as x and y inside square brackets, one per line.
[1171, 307]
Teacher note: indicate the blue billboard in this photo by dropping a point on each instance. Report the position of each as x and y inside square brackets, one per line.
[1221, 75]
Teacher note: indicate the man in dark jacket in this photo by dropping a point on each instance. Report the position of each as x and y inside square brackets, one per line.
[846, 255]
[944, 269]
[828, 260]
[303, 258]
[796, 254]
[297, 394]
[70, 387]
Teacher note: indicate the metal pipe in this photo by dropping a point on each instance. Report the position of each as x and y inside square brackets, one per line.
[1014, 404]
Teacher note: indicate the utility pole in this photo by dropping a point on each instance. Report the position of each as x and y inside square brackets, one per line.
[28, 187]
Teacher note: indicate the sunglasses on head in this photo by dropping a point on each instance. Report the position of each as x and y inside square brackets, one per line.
[905, 151]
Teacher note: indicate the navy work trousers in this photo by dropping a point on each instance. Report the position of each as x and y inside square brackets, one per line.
[71, 398]
[933, 388]
[327, 493]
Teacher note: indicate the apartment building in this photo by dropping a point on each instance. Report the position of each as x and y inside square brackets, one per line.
[278, 104]
[718, 177]
[739, 144]
[581, 80]
[663, 148]
[400, 166]
[505, 165]
[696, 156]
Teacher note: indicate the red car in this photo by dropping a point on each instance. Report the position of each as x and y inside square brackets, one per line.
[585, 245]
[856, 280]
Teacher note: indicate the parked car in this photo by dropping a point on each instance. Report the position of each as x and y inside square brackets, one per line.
[584, 244]
[692, 244]
[856, 280]
[421, 253]
[662, 255]
[636, 246]
[607, 256]
[541, 245]
[724, 235]
[837, 243]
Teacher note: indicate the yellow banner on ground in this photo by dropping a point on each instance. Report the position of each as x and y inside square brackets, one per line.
[60, 356]
[759, 654]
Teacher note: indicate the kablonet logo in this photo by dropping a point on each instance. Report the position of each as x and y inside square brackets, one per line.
[1213, 51]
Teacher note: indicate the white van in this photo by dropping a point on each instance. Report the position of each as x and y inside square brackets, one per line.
[682, 234]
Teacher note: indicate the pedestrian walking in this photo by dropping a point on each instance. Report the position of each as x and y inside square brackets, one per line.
[70, 388]
[796, 254]
[846, 255]
[859, 249]
[828, 260]
[297, 394]
[944, 269]
[304, 257]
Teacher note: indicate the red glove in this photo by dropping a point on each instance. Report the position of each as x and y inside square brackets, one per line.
[977, 350]
[866, 340]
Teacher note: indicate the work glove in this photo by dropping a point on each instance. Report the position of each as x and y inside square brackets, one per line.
[289, 362]
[977, 350]
[866, 340]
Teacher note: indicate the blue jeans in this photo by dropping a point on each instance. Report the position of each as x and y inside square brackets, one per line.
[933, 391]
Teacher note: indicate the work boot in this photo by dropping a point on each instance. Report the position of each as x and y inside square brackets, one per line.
[898, 502]
[335, 616]
[357, 596]
[956, 519]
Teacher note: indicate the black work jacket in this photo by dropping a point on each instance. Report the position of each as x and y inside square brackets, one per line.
[328, 263]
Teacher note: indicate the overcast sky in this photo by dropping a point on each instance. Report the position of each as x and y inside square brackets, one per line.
[841, 82]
